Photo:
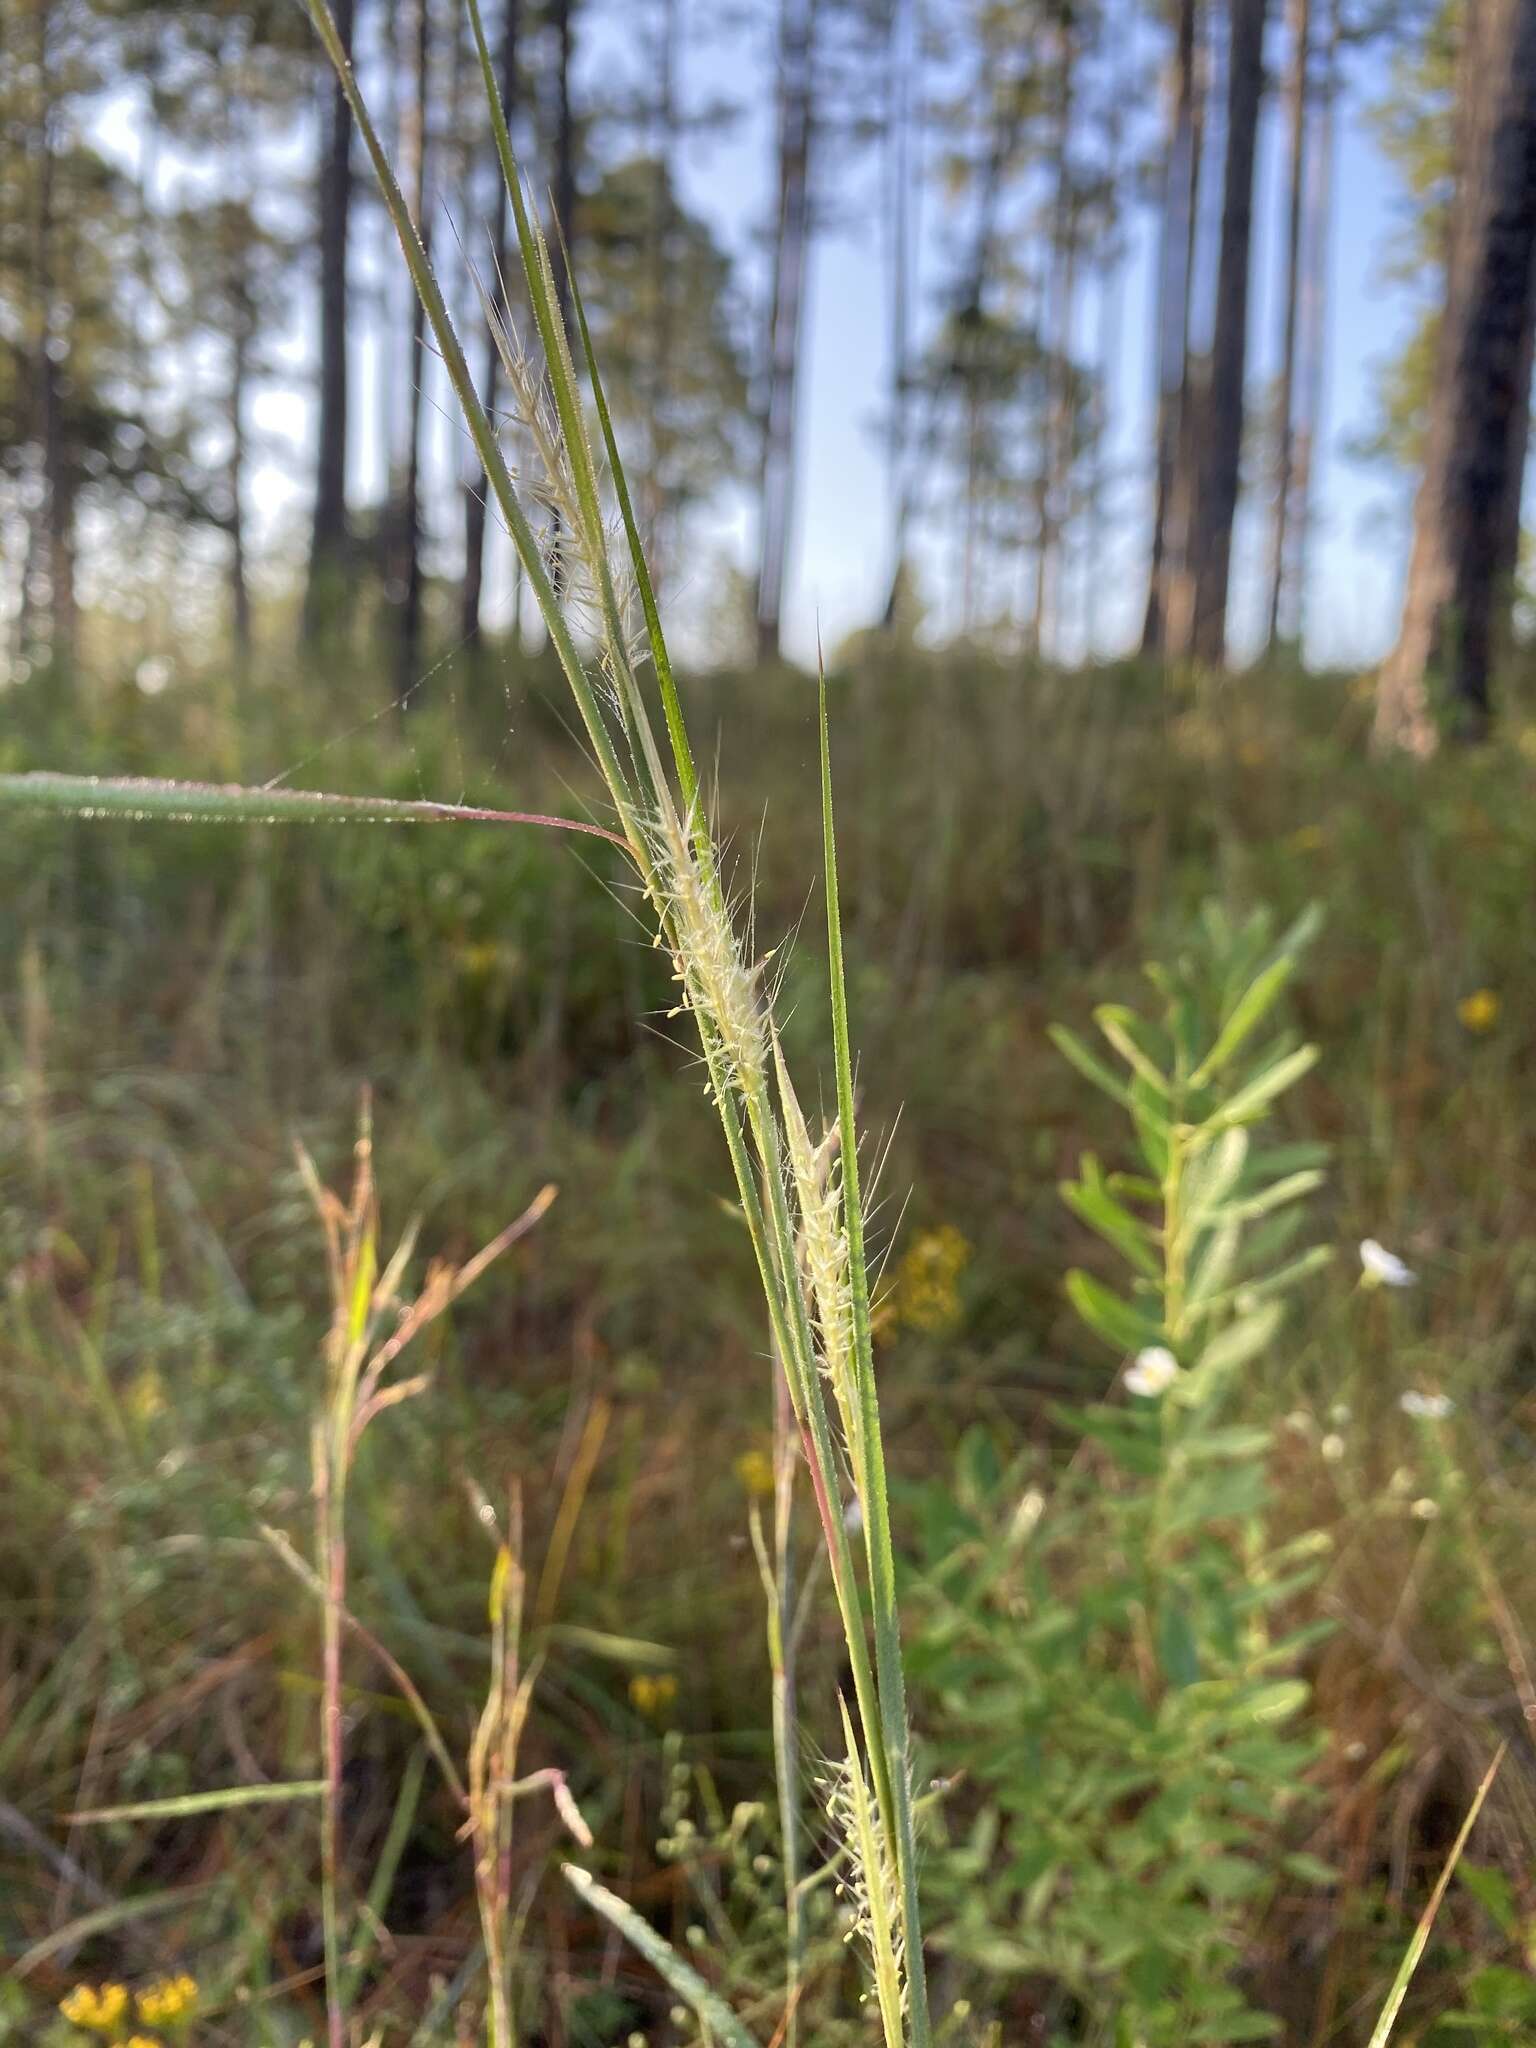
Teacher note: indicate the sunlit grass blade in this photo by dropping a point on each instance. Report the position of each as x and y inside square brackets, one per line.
[679, 1975]
[197, 803]
[185, 1804]
[102, 1920]
[888, 1744]
[1382, 2030]
[371, 1922]
[661, 661]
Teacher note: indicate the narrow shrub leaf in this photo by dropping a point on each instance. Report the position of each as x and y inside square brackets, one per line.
[1252, 1007]
[1072, 1048]
[1248, 1102]
[1117, 1226]
[1120, 1325]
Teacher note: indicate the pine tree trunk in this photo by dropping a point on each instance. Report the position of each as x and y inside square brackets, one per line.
[1466, 517]
[475, 490]
[239, 585]
[1223, 412]
[48, 625]
[1285, 404]
[905, 43]
[564, 225]
[328, 543]
[1313, 344]
[797, 25]
[407, 580]
[1056, 437]
[657, 504]
[565, 156]
[1113, 255]
[1175, 279]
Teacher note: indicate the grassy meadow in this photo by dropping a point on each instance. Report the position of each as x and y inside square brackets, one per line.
[187, 1001]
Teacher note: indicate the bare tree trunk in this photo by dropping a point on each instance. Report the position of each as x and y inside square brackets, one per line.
[48, 581]
[564, 199]
[408, 582]
[656, 500]
[239, 586]
[475, 490]
[791, 249]
[1178, 562]
[904, 46]
[1222, 425]
[1061, 291]
[1285, 404]
[1312, 345]
[565, 155]
[1466, 517]
[1175, 280]
[328, 544]
[1110, 282]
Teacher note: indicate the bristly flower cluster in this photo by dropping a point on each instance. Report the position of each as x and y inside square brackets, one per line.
[694, 916]
[823, 1245]
[868, 1881]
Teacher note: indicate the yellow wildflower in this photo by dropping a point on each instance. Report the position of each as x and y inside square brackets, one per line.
[479, 959]
[755, 1471]
[652, 1693]
[167, 2000]
[1479, 1011]
[927, 1293]
[1308, 839]
[146, 1396]
[141, 2041]
[98, 2011]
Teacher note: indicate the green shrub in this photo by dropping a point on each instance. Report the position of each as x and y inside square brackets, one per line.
[1104, 1644]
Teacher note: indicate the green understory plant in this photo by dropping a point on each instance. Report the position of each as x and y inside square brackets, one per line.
[1106, 1644]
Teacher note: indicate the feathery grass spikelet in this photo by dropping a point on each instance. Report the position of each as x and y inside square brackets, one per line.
[869, 1884]
[585, 556]
[716, 982]
[823, 1247]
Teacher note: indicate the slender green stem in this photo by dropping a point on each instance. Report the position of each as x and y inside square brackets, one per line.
[330, 1517]
[753, 1134]
[777, 1575]
[895, 1792]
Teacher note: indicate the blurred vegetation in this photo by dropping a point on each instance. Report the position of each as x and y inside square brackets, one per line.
[185, 1002]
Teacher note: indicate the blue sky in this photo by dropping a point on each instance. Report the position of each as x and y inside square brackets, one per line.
[841, 548]
[1358, 552]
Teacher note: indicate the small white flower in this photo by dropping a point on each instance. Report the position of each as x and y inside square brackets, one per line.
[1026, 1515]
[1153, 1372]
[1426, 1407]
[1332, 1448]
[1381, 1268]
[1425, 1509]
